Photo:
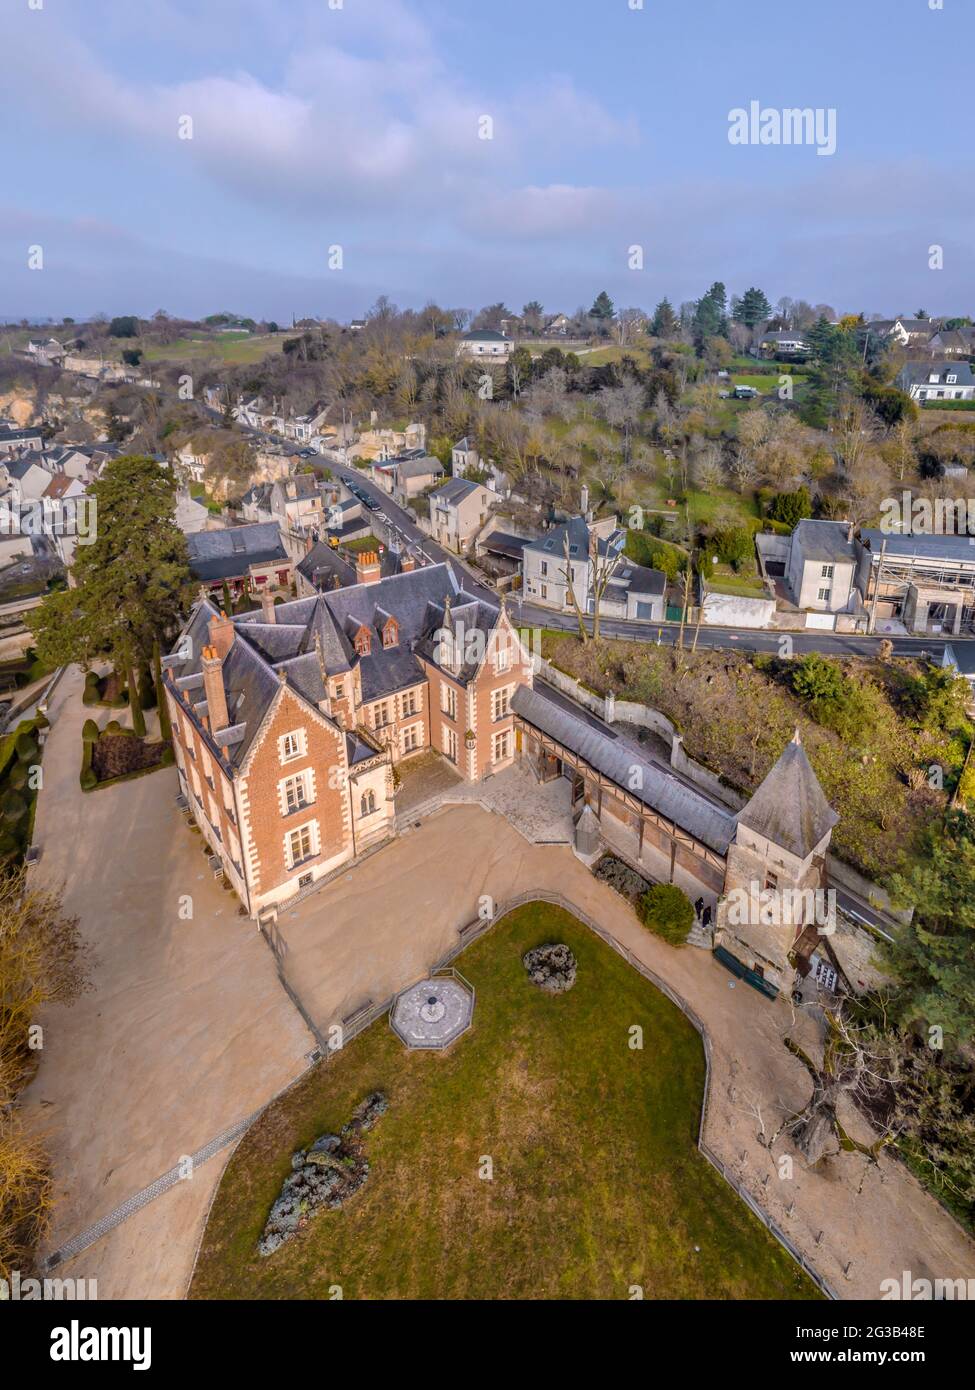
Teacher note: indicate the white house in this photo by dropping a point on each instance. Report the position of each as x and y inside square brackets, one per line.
[458, 511]
[485, 342]
[821, 568]
[937, 381]
[575, 558]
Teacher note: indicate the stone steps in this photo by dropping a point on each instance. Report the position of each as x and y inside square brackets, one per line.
[700, 936]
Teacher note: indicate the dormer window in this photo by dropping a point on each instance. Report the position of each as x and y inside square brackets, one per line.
[951, 379]
[363, 641]
[391, 633]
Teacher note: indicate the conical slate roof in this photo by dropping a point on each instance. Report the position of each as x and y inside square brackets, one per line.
[789, 807]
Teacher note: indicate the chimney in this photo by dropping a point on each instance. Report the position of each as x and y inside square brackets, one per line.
[584, 501]
[407, 564]
[849, 534]
[267, 606]
[221, 634]
[214, 691]
[292, 490]
[309, 543]
[367, 568]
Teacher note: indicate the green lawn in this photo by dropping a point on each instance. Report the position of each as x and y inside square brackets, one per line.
[597, 1182]
[229, 347]
[768, 385]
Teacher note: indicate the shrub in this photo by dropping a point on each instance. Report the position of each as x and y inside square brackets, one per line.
[667, 911]
[13, 806]
[113, 727]
[92, 693]
[18, 777]
[88, 779]
[90, 732]
[735, 546]
[791, 507]
[26, 748]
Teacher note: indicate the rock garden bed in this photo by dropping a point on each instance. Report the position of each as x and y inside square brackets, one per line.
[325, 1175]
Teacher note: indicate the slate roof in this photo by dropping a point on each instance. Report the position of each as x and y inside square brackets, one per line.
[553, 542]
[501, 543]
[17, 468]
[228, 553]
[659, 790]
[264, 652]
[919, 373]
[790, 807]
[638, 579]
[305, 485]
[485, 335]
[418, 467]
[908, 547]
[825, 540]
[454, 491]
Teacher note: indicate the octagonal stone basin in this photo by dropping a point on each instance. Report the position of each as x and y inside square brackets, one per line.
[433, 1012]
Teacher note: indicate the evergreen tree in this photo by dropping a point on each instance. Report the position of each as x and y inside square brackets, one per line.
[752, 308]
[132, 583]
[603, 311]
[664, 323]
[934, 957]
[711, 316]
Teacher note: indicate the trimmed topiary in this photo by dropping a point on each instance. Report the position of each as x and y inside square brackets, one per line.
[666, 911]
[88, 780]
[90, 733]
[113, 727]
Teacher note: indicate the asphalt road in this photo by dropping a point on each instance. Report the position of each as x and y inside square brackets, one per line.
[403, 527]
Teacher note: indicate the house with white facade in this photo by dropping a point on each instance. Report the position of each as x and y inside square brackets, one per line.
[458, 511]
[577, 559]
[937, 381]
[821, 568]
[486, 343]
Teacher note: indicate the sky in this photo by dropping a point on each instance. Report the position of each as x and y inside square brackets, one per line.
[337, 152]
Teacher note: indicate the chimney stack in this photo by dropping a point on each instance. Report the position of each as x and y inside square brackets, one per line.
[368, 570]
[221, 634]
[217, 715]
[407, 563]
[267, 606]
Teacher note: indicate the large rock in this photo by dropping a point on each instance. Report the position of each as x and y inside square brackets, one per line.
[552, 968]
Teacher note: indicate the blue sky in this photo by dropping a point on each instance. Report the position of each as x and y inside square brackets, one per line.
[358, 127]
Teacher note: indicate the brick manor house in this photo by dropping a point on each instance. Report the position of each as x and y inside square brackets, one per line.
[288, 721]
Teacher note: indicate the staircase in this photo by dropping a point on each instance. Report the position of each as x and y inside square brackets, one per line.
[700, 936]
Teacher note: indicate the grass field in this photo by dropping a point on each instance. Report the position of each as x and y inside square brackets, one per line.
[768, 385]
[597, 1181]
[228, 347]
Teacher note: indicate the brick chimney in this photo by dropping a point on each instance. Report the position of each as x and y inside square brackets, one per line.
[213, 689]
[267, 606]
[407, 564]
[221, 634]
[367, 568]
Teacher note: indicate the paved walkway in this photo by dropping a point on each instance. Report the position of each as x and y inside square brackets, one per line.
[186, 1031]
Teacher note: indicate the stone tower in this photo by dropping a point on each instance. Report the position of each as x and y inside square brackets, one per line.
[775, 879]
